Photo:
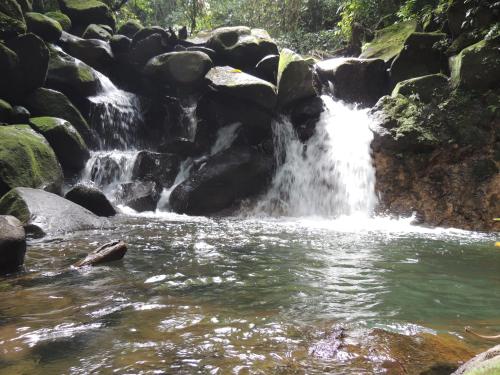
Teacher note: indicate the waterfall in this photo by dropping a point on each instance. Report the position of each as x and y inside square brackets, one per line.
[225, 138]
[331, 175]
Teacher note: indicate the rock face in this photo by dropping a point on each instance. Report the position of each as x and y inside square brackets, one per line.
[362, 81]
[85, 12]
[233, 82]
[47, 28]
[477, 67]
[295, 78]
[92, 199]
[12, 244]
[487, 363]
[227, 178]
[70, 148]
[26, 159]
[44, 213]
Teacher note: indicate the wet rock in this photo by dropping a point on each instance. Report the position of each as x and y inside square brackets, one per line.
[180, 146]
[20, 115]
[92, 199]
[305, 115]
[477, 67]
[70, 148]
[485, 363]
[130, 28]
[388, 42]
[295, 78]
[26, 159]
[425, 87]
[43, 26]
[12, 244]
[227, 178]
[11, 87]
[140, 195]
[11, 20]
[156, 167]
[267, 68]
[362, 81]
[60, 17]
[43, 213]
[46, 102]
[143, 50]
[94, 31]
[105, 170]
[85, 12]
[419, 57]
[6, 112]
[109, 252]
[183, 70]
[233, 82]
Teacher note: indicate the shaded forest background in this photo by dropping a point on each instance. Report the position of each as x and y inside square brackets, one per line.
[308, 26]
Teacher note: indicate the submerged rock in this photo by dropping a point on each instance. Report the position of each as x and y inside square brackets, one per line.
[44, 213]
[109, 252]
[92, 199]
[69, 146]
[295, 78]
[12, 244]
[226, 178]
[26, 159]
[47, 28]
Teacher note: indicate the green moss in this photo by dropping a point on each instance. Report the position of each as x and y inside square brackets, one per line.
[46, 125]
[11, 204]
[388, 42]
[425, 87]
[26, 159]
[83, 4]
[11, 19]
[60, 17]
[44, 26]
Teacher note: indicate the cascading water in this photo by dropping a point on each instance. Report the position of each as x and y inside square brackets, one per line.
[331, 175]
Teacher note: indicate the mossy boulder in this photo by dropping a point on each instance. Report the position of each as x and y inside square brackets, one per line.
[43, 213]
[60, 17]
[6, 112]
[420, 56]
[295, 78]
[47, 28]
[47, 102]
[477, 67]
[69, 146]
[70, 76]
[234, 83]
[94, 31]
[130, 28]
[186, 69]
[388, 42]
[12, 21]
[26, 159]
[85, 12]
[241, 47]
[425, 87]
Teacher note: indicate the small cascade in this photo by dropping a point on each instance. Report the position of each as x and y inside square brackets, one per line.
[225, 138]
[188, 118]
[331, 175]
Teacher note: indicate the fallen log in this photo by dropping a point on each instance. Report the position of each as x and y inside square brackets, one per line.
[109, 252]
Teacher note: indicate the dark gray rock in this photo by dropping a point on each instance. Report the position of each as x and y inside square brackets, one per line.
[267, 68]
[92, 199]
[130, 28]
[20, 115]
[156, 167]
[47, 28]
[12, 244]
[140, 195]
[94, 31]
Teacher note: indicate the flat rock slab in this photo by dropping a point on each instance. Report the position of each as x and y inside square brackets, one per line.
[44, 213]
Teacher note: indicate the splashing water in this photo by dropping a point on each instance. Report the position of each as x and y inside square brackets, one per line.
[225, 138]
[331, 175]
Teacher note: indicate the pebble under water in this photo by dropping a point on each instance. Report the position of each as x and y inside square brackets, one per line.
[247, 296]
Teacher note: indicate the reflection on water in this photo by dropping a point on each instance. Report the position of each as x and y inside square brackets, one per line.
[242, 296]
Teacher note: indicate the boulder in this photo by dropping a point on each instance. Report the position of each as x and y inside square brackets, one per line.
[140, 195]
[457, 11]
[295, 78]
[146, 32]
[85, 12]
[208, 51]
[6, 112]
[486, 363]
[241, 47]
[130, 28]
[60, 17]
[11, 87]
[20, 115]
[183, 70]
[33, 57]
[43, 213]
[477, 67]
[267, 68]
[362, 81]
[120, 45]
[141, 51]
[92, 199]
[45, 27]
[12, 244]
[26, 159]
[71, 76]
[388, 42]
[227, 178]
[47, 102]
[158, 167]
[425, 87]
[419, 57]
[233, 82]
[94, 31]
[11, 20]
[70, 148]
[105, 170]
[305, 115]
